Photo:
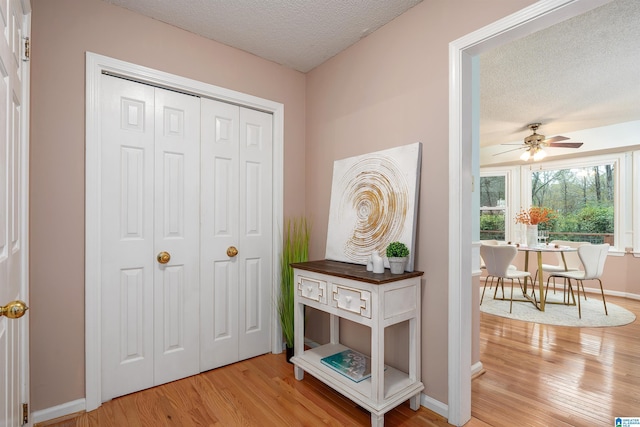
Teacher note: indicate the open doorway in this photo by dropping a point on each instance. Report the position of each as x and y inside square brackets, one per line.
[463, 171]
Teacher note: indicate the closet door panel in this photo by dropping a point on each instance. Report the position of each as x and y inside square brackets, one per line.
[256, 210]
[219, 232]
[177, 232]
[127, 263]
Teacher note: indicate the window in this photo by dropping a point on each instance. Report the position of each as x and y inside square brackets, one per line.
[595, 197]
[492, 207]
[582, 197]
[598, 200]
[497, 193]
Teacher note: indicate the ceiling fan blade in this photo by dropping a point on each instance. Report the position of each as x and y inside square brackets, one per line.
[555, 139]
[508, 151]
[565, 144]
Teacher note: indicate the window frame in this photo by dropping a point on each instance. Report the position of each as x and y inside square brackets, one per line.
[511, 176]
[620, 202]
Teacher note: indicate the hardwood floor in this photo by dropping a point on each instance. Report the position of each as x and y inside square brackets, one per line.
[535, 375]
[540, 375]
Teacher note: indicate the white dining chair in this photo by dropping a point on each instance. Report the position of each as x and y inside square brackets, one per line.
[573, 264]
[483, 266]
[593, 258]
[497, 261]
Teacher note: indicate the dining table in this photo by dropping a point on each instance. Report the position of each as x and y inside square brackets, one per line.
[540, 249]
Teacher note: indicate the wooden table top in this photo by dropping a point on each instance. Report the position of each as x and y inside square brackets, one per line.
[353, 271]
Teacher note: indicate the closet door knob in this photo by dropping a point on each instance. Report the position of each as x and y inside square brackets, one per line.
[164, 257]
[232, 251]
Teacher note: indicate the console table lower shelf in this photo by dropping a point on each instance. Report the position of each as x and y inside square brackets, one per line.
[398, 386]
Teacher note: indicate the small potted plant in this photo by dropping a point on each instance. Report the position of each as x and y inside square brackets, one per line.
[397, 253]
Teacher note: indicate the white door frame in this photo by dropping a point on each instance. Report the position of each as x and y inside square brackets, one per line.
[462, 137]
[95, 66]
[23, 197]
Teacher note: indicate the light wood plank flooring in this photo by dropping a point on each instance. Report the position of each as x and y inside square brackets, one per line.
[535, 375]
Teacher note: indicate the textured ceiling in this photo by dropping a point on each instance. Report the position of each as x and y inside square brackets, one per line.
[300, 34]
[580, 74]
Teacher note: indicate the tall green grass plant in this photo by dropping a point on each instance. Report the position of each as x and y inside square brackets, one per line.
[295, 248]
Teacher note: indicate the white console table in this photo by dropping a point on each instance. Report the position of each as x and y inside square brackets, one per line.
[350, 292]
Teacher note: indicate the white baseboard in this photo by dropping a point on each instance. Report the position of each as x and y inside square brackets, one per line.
[476, 369]
[58, 411]
[439, 407]
[434, 405]
[596, 291]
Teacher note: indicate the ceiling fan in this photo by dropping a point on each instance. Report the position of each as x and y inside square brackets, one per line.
[534, 144]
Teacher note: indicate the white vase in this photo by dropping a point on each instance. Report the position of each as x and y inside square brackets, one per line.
[370, 263]
[396, 264]
[378, 262]
[532, 235]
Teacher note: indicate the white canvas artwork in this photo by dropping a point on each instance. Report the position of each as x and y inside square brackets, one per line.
[374, 201]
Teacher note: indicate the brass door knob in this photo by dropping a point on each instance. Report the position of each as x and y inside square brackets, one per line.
[14, 310]
[232, 251]
[164, 257]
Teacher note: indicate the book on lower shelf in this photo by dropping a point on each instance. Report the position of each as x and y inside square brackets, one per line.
[350, 363]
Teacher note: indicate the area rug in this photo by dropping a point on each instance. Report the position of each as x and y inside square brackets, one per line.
[557, 314]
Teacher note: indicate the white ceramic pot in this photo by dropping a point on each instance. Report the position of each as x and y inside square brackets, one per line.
[396, 264]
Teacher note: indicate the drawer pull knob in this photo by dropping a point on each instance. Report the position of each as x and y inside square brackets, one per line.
[309, 288]
[348, 300]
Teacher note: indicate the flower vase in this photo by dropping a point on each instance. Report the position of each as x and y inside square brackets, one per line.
[532, 235]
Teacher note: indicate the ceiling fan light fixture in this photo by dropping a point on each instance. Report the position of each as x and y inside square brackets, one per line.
[534, 144]
[539, 155]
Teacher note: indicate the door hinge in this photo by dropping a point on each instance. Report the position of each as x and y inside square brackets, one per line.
[27, 49]
[25, 413]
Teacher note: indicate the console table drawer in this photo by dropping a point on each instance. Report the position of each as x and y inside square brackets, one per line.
[315, 290]
[354, 300]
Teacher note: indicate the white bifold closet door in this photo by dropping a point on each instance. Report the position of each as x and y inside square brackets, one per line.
[191, 177]
[237, 209]
[150, 152]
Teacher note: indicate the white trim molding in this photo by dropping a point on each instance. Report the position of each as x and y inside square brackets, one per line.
[58, 411]
[96, 65]
[635, 216]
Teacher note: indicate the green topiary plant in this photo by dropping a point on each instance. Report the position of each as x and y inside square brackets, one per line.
[295, 248]
[397, 250]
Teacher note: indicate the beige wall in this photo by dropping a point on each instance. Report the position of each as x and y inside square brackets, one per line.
[391, 89]
[63, 30]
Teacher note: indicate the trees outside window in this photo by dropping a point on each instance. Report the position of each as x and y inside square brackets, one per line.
[583, 198]
[493, 206]
[595, 198]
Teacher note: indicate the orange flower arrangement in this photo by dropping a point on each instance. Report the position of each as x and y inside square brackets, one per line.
[535, 215]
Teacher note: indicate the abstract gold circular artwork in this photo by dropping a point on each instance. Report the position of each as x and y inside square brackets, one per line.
[372, 203]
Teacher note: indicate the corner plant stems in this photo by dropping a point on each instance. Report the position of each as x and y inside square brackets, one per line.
[295, 248]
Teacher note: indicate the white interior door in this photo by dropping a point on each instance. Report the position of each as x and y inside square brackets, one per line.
[150, 143]
[236, 200]
[14, 391]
